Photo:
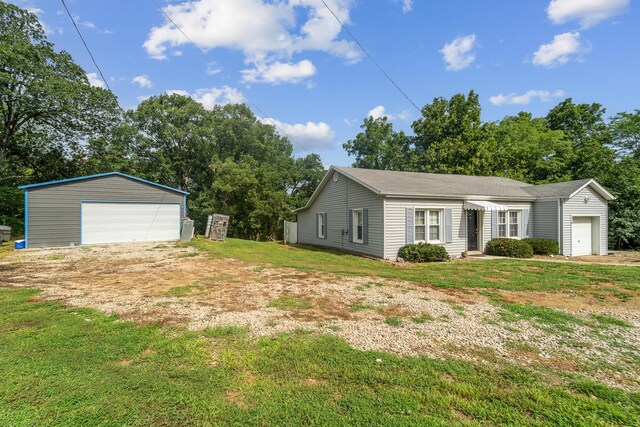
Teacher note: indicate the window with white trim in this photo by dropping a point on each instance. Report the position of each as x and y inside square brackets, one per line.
[428, 225]
[358, 226]
[321, 230]
[509, 224]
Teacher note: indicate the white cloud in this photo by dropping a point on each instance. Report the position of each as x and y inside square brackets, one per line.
[458, 54]
[266, 32]
[381, 111]
[95, 81]
[213, 96]
[378, 112]
[563, 47]
[90, 25]
[587, 12]
[525, 98]
[311, 135]
[279, 72]
[407, 5]
[213, 69]
[142, 81]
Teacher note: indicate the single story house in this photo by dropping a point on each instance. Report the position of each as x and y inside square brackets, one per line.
[376, 212]
[106, 208]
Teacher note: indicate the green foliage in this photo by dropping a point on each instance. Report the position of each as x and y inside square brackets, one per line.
[423, 252]
[625, 132]
[543, 246]
[512, 248]
[60, 369]
[606, 321]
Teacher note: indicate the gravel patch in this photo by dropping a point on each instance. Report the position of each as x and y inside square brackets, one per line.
[135, 282]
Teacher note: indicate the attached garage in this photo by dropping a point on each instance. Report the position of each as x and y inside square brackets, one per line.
[582, 236]
[99, 209]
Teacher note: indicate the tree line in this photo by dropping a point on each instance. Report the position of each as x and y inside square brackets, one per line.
[55, 125]
[573, 141]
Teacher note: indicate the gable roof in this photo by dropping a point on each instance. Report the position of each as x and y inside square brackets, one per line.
[448, 186]
[419, 184]
[566, 190]
[100, 175]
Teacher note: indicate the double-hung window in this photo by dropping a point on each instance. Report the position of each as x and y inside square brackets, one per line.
[321, 231]
[428, 225]
[509, 224]
[358, 226]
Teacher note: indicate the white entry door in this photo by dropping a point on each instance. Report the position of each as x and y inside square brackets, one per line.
[129, 222]
[581, 235]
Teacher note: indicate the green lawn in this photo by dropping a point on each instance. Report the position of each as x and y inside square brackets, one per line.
[62, 366]
[504, 274]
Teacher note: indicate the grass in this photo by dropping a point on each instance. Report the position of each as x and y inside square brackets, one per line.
[182, 291]
[506, 274]
[422, 319]
[6, 248]
[393, 321]
[65, 366]
[290, 303]
[359, 306]
[607, 321]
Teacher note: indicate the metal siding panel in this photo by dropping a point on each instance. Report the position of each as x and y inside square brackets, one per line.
[54, 211]
[597, 206]
[336, 199]
[545, 220]
[396, 230]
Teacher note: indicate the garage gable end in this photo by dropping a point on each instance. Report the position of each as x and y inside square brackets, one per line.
[585, 218]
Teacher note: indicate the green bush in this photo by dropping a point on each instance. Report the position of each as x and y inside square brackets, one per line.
[512, 248]
[543, 246]
[423, 252]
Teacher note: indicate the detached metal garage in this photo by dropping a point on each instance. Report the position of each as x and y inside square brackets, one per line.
[105, 208]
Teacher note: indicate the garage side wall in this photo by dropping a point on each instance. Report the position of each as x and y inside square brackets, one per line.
[54, 211]
[576, 206]
[335, 199]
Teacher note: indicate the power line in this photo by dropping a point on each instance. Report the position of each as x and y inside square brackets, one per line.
[371, 57]
[183, 33]
[250, 102]
[85, 45]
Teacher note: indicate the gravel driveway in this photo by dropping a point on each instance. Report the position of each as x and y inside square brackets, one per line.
[177, 286]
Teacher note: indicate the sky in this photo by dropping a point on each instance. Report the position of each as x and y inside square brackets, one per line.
[294, 65]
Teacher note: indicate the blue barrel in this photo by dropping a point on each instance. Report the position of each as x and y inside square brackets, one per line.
[19, 244]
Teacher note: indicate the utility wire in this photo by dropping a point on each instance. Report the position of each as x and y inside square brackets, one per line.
[371, 57]
[250, 101]
[183, 33]
[85, 45]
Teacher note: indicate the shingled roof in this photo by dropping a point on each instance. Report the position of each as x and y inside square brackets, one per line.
[418, 184]
[448, 186]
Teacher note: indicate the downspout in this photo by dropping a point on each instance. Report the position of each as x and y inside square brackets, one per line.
[26, 218]
[560, 243]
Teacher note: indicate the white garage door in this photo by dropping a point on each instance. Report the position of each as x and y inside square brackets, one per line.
[129, 222]
[581, 232]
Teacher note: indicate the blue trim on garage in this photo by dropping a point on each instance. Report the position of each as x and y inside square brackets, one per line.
[26, 218]
[80, 178]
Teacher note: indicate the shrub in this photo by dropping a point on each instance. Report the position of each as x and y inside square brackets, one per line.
[423, 252]
[543, 246]
[510, 248]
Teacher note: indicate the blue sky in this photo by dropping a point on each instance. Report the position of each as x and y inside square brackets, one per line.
[291, 58]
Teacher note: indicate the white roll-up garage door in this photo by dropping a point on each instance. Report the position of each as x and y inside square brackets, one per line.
[109, 222]
[581, 235]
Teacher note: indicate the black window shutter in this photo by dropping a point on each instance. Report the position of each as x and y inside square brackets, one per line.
[324, 222]
[365, 226]
[350, 224]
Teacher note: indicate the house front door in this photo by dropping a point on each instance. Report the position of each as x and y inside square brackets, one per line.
[472, 230]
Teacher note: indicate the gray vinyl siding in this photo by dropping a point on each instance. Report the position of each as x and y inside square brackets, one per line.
[54, 210]
[597, 206]
[545, 219]
[396, 224]
[336, 199]
[486, 222]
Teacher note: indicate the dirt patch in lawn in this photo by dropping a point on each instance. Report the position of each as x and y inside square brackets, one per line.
[177, 286]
